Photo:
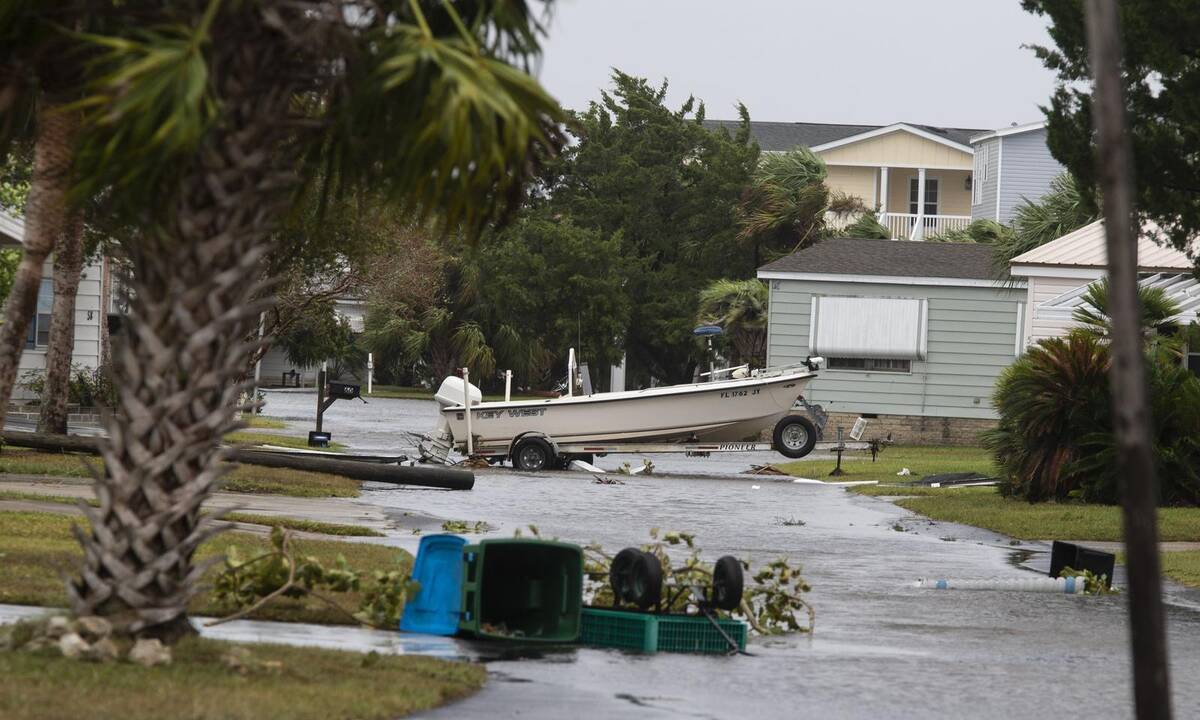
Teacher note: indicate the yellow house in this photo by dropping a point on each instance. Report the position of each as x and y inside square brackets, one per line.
[917, 177]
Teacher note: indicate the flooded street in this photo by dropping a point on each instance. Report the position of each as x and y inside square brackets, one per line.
[882, 648]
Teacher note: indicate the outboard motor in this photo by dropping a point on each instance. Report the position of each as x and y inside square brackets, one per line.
[453, 391]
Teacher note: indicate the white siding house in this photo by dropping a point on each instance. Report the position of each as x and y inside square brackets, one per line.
[90, 308]
[914, 334]
[1065, 265]
[1011, 165]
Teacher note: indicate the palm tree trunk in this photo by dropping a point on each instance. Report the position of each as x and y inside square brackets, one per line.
[68, 265]
[46, 220]
[180, 361]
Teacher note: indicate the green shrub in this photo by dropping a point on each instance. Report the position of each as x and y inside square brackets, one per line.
[987, 232]
[867, 226]
[86, 388]
[1054, 438]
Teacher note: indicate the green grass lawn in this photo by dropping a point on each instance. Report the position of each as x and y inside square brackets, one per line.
[920, 461]
[264, 423]
[1182, 566]
[244, 437]
[244, 478]
[36, 549]
[286, 682]
[312, 526]
[984, 507]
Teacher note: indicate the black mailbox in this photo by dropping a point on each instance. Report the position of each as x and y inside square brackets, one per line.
[343, 391]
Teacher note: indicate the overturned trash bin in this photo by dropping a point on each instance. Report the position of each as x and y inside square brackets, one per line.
[437, 605]
[526, 590]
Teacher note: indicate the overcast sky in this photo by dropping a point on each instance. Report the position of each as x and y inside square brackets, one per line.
[952, 63]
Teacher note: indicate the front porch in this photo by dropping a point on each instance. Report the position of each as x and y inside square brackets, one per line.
[912, 203]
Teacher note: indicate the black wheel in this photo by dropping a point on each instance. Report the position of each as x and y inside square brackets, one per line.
[533, 454]
[636, 578]
[794, 436]
[727, 583]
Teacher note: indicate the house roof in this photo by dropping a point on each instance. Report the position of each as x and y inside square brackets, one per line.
[889, 258]
[782, 136]
[12, 228]
[1005, 132]
[1085, 248]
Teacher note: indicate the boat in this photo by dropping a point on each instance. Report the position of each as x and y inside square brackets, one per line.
[719, 415]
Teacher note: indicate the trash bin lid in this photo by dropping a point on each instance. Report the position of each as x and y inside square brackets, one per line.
[436, 606]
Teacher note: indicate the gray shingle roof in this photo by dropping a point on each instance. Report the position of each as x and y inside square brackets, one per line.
[779, 136]
[898, 258]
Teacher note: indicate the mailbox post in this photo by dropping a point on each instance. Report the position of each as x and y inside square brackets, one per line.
[327, 394]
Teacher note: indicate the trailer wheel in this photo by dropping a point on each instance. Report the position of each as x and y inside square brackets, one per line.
[727, 583]
[794, 436]
[636, 578]
[533, 454]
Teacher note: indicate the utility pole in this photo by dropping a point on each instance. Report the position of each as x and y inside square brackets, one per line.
[1131, 413]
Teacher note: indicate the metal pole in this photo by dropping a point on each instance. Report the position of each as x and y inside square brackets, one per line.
[507, 385]
[262, 319]
[370, 370]
[467, 407]
[1131, 414]
[320, 397]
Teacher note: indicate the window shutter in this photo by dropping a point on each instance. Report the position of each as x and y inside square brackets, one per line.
[869, 327]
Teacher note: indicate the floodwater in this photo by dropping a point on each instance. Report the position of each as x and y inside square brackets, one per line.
[882, 648]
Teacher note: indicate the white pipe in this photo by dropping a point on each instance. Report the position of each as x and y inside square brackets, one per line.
[1067, 585]
[467, 407]
[571, 373]
[507, 385]
[370, 371]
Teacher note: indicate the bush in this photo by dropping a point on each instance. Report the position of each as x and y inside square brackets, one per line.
[987, 232]
[867, 226]
[1054, 438]
[86, 388]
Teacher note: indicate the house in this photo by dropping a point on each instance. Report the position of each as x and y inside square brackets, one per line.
[1061, 269]
[914, 334]
[275, 369]
[92, 303]
[1011, 165]
[918, 177]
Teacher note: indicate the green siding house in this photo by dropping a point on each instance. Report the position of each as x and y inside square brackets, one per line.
[914, 334]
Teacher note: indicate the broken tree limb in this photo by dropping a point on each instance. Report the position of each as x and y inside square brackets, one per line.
[421, 475]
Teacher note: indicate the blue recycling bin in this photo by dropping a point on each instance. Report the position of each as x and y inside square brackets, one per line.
[436, 607]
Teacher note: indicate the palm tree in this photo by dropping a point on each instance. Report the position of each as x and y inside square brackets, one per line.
[1061, 210]
[218, 111]
[740, 308]
[784, 208]
[39, 78]
[1158, 311]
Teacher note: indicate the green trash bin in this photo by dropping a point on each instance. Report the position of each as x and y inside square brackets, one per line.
[524, 590]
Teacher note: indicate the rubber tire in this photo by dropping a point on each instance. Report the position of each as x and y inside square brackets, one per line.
[728, 583]
[521, 462]
[782, 426]
[636, 578]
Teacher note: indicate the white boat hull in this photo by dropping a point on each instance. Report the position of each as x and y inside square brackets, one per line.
[724, 411]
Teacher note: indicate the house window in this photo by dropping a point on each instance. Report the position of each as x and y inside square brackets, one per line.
[39, 327]
[979, 174]
[1193, 362]
[893, 365]
[931, 196]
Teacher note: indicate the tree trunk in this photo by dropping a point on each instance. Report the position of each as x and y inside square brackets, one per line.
[180, 363]
[46, 220]
[68, 265]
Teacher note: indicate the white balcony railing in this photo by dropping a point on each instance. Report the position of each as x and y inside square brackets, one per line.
[904, 226]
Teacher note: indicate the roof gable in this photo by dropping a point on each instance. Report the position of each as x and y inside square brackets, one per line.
[923, 133]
